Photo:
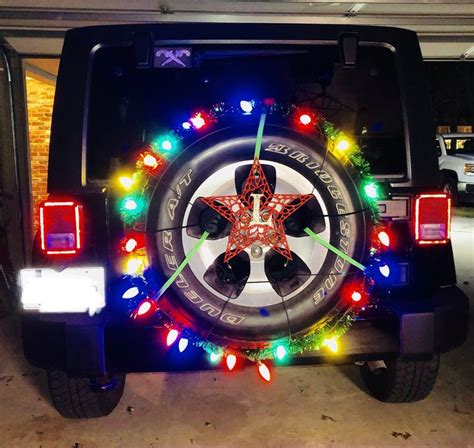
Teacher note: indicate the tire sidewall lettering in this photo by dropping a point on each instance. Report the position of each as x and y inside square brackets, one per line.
[188, 178]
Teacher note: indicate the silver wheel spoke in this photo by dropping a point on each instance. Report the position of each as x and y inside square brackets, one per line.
[312, 254]
[210, 248]
[257, 284]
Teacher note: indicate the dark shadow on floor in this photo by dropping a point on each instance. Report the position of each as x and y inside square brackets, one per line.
[10, 339]
[351, 372]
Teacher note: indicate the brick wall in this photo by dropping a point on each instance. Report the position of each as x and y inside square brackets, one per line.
[40, 96]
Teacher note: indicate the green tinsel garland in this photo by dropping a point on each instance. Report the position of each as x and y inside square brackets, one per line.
[336, 326]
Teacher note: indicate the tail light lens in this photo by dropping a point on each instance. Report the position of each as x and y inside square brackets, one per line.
[61, 227]
[432, 219]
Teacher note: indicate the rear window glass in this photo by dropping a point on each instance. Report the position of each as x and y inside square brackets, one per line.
[128, 105]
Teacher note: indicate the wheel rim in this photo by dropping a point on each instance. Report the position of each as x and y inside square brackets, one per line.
[258, 291]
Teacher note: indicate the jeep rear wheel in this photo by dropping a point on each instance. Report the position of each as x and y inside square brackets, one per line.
[402, 381]
[75, 397]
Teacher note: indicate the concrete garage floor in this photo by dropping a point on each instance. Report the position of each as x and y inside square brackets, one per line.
[303, 407]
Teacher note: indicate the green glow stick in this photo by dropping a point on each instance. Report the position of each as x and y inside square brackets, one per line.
[183, 264]
[334, 249]
[258, 142]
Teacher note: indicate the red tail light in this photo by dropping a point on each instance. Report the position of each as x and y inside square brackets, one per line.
[61, 227]
[432, 218]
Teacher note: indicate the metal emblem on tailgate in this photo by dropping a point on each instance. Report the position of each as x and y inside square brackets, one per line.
[172, 57]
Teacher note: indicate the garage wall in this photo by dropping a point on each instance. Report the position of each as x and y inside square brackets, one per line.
[40, 97]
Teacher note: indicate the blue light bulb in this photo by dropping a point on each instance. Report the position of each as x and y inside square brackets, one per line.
[246, 106]
[384, 270]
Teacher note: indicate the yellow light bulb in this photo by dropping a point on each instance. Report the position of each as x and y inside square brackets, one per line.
[126, 182]
[343, 145]
[134, 266]
[331, 344]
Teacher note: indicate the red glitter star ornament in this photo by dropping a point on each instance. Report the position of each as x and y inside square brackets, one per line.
[257, 215]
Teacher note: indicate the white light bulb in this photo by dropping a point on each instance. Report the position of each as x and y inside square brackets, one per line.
[183, 343]
[384, 270]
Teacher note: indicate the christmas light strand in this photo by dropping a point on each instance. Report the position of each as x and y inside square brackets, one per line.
[133, 205]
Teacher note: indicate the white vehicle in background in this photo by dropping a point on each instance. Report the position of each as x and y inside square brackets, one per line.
[456, 163]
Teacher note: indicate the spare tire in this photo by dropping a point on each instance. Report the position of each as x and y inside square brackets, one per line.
[260, 297]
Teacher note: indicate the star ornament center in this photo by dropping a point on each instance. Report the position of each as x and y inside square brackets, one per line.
[257, 214]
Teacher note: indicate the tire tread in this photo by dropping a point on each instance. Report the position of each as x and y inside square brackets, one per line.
[404, 381]
[74, 398]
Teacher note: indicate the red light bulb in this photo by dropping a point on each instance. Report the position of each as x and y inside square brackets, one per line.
[171, 337]
[145, 308]
[132, 242]
[384, 238]
[356, 296]
[130, 245]
[150, 161]
[231, 360]
[305, 119]
[198, 121]
[264, 371]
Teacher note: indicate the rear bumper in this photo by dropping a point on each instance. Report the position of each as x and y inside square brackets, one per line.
[86, 346]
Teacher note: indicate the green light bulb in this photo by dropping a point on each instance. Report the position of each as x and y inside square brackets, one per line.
[214, 357]
[130, 204]
[166, 143]
[280, 352]
[371, 190]
[131, 207]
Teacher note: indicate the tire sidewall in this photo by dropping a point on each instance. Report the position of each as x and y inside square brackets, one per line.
[188, 302]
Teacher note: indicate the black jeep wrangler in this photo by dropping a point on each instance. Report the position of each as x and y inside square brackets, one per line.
[229, 195]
